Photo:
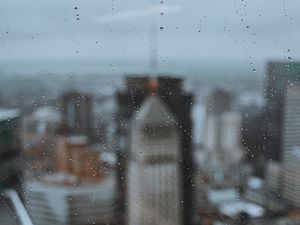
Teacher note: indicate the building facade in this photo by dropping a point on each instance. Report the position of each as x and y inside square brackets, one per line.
[171, 92]
[154, 181]
[279, 75]
[291, 147]
[222, 131]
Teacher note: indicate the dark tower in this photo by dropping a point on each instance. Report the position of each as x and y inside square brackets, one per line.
[10, 150]
[171, 92]
[279, 75]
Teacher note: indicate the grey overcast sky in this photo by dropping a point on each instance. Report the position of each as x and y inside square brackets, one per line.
[195, 30]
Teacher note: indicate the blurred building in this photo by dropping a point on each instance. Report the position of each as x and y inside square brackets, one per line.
[10, 149]
[291, 147]
[128, 100]
[279, 74]
[77, 113]
[251, 107]
[41, 122]
[74, 156]
[154, 180]
[222, 132]
[80, 188]
[171, 92]
[60, 199]
[273, 177]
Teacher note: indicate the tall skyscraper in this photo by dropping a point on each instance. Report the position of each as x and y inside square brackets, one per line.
[171, 92]
[154, 181]
[77, 113]
[10, 149]
[129, 100]
[279, 74]
[291, 147]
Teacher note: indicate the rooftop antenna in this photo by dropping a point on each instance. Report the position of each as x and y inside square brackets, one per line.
[153, 43]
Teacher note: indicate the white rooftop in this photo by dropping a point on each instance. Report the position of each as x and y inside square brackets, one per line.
[255, 183]
[6, 114]
[220, 196]
[47, 113]
[234, 208]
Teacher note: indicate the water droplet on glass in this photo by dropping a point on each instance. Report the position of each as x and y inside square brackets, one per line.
[75, 8]
[161, 28]
[254, 70]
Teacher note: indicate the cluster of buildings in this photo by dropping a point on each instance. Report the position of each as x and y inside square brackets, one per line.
[140, 165]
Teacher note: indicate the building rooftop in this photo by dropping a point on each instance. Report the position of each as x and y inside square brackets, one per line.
[220, 196]
[61, 180]
[6, 114]
[155, 112]
[255, 183]
[235, 208]
[47, 113]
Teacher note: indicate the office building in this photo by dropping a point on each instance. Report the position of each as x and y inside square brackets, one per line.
[279, 74]
[222, 132]
[171, 92]
[154, 181]
[291, 147]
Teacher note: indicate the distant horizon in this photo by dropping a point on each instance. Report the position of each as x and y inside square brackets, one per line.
[123, 67]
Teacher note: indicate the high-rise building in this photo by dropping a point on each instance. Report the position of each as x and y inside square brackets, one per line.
[222, 131]
[129, 100]
[154, 181]
[291, 147]
[10, 149]
[171, 92]
[279, 74]
[77, 113]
